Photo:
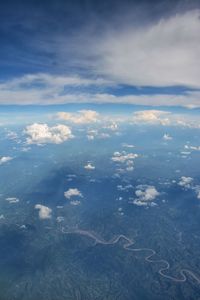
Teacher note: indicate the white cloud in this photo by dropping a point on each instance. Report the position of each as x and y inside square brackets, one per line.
[25, 149]
[152, 117]
[188, 183]
[89, 166]
[12, 200]
[125, 145]
[145, 195]
[49, 80]
[91, 134]
[113, 126]
[165, 53]
[189, 99]
[148, 193]
[124, 188]
[46, 95]
[195, 148]
[123, 156]
[129, 169]
[60, 219]
[72, 192]
[82, 117]
[126, 159]
[165, 118]
[75, 202]
[44, 211]
[197, 190]
[185, 152]
[44, 88]
[97, 134]
[12, 135]
[104, 135]
[4, 159]
[185, 182]
[167, 137]
[90, 137]
[157, 53]
[42, 133]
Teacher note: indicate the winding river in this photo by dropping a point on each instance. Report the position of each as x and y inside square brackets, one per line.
[128, 246]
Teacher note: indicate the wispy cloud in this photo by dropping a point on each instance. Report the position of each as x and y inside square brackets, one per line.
[160, 51]
[163, 53]
[45, 89]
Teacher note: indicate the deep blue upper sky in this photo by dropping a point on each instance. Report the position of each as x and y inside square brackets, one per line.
[29, 29]
[134, 47]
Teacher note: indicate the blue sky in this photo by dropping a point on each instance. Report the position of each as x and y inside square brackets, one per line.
[135, 52]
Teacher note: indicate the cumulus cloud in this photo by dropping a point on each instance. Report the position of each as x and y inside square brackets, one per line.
[145, 195]
[185, 182]
[97, 134]
[82, 117]
[89, 166]
[4, 159]
[188, 183]
[152, 117]
[122, 157]
[44, 211]
[126, 159]
[167, 137]
[42, 133]
[72, 192]
[165, 118]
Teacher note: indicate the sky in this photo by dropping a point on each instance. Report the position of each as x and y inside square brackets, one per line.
[119, 52]
[100, 112]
